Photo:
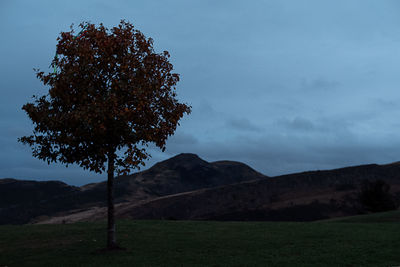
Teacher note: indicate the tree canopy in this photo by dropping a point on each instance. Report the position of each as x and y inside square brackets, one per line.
[110, 92]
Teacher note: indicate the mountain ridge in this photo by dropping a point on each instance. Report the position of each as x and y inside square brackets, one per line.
[181, 173]
[306, 196]
[188, 187]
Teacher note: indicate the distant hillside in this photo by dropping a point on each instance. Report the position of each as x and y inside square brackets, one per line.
[21, 201]
[182, 173]
[15, 192]
[306, 196]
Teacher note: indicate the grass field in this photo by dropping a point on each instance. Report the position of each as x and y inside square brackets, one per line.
[356, 241]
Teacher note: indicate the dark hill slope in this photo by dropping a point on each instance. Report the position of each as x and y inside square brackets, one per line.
[182, 173]
[16, 192]
[296, 197]
[21, 200]
[24, 200]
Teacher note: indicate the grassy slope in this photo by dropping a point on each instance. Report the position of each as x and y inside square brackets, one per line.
[389, 216]
[188, 243]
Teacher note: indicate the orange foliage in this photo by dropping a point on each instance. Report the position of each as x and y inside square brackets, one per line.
[111, 92]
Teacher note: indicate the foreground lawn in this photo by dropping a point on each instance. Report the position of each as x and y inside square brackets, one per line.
[188, 243]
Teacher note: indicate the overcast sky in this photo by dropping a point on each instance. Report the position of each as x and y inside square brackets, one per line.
[283, 86]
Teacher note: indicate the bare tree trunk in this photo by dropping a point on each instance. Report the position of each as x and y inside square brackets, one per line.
[111, 239]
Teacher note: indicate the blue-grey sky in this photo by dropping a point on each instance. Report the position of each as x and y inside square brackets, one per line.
[283, 86]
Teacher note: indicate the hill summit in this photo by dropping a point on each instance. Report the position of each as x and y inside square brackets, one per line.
[181, 173]
[181, 161]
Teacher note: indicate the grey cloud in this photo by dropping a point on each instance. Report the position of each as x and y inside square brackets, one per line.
[21, 165]
[181, 138]
[298, 123]
[319, 84]
[204, 108]
[384, 105]
[339, 126]
[277, 155]
[243, 124]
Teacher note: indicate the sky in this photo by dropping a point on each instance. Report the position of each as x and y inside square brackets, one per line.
[282, 85]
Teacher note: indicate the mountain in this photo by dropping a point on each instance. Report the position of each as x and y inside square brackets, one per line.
[185, 187]
[24, 200]
[21, 200]
[306, 196]
[182, 173]
[303, 196]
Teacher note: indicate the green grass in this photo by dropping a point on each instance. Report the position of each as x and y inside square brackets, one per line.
[189, 243]
[389, 216]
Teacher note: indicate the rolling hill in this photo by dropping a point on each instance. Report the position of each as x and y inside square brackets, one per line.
[306, 196]
[21, 201]
[185, 187]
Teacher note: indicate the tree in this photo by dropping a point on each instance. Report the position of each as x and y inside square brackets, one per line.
[375, 196]
[111, 96]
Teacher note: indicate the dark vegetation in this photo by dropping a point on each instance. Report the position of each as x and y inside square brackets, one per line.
[375, 196]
